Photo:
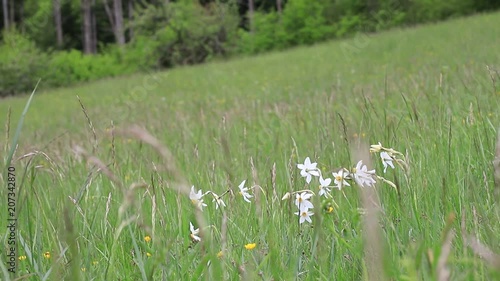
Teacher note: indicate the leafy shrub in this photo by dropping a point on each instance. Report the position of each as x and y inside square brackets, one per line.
[68, 67]
[433, 10]
[304, 22]
[21, 64]
[267, 34]
[189, 33]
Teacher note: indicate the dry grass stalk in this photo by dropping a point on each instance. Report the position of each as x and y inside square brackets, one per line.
[169, 163]
[496, 166]
[108, 207]
[180, 183]
[373, 241]
[53, 166]
[7, 131]
[113, 146]
[96, 162]
[273, 183]
[91, 125]
[256, 191]
[443, 272]
[478, 248]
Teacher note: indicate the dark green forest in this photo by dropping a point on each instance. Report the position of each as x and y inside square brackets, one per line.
[69, 41]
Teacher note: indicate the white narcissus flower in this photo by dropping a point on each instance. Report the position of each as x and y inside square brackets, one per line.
[196, 198]
[308, 169]
[194, 233]
[324, 185]
[386, 160]
[362, 176]
[302, 200]
[376, 147]
[244, 191]
[340, 178]
[218, 201]
[286, 196]
[305, 215]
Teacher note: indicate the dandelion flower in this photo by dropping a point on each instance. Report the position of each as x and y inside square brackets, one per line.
[362, 176]
[220, 254]
[244, 191]
[196, 198]
[302, 200]
[194, 233]
[21, 258]
[340, 178]
[386, 160]
[324, 185]
[305, 215]
[46, 255]
[250, 246]
[147, 238]
[330, 209]
[308, 169]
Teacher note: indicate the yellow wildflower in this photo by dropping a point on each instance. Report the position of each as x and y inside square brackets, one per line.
[250, 246]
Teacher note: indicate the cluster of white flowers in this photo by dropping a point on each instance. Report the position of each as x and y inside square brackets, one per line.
[359, 174]
[388, 156]
[196, 198]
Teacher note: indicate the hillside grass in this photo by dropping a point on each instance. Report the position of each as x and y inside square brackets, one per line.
[431, 92]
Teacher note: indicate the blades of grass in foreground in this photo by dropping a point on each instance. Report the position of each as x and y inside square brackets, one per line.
[6, 274]
[373, 245]
[19, 127]
[496, 167]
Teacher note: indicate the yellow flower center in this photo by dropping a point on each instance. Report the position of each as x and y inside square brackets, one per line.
[304, 214]
[338, 178]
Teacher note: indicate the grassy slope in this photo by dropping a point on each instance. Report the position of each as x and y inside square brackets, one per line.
[425, 91]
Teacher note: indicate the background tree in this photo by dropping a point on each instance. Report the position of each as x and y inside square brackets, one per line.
[5, 8]
[89, 46]
[115, 17]
[58, 22]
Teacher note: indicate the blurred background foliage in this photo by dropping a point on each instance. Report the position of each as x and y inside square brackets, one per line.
[70, 41]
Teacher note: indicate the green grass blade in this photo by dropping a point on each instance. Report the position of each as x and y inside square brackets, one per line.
[20, 126]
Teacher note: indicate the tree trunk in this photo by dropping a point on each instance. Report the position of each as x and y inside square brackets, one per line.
[116, 20]
[5, 9]
[87, 27]
[118, 15]
[130, 18]
[21, 15]
[94, 29]
[250, 14]
[12, 11]
[58, 22]
[279, 6]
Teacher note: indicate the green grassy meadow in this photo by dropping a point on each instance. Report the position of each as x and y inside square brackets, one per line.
[431, 92]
